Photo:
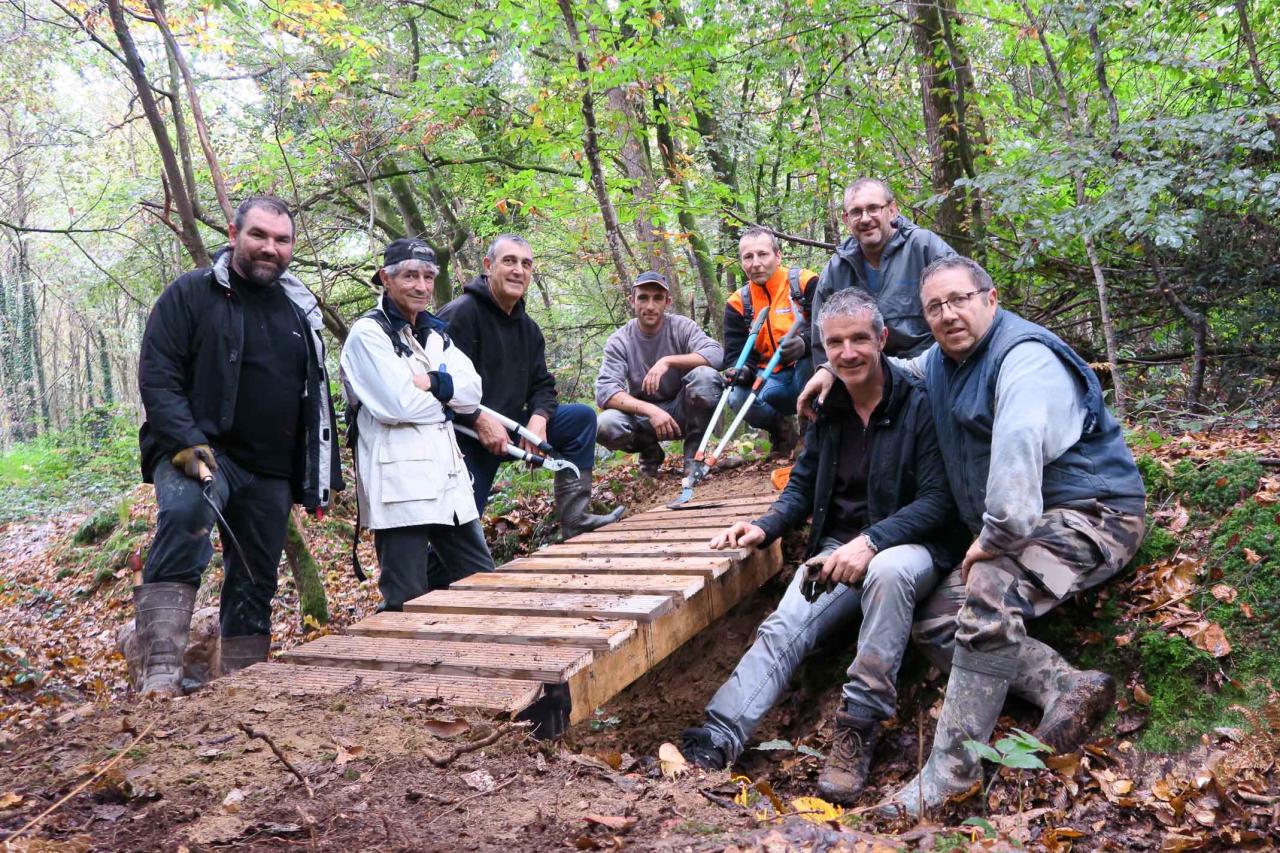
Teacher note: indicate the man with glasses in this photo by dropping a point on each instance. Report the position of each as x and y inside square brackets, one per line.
[884, 256]
[1045, 484]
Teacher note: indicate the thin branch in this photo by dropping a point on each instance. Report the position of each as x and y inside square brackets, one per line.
[782, 235]
[253, 734]
[464, 800]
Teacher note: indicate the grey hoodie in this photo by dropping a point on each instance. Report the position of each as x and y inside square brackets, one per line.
[908, 252]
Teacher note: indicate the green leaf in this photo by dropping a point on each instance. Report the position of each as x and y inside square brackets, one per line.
[983, 823]
[983, 751]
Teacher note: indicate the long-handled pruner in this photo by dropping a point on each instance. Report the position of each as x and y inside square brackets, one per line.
[206, 489]
[521, 430]
[551, 463]
[700, 467]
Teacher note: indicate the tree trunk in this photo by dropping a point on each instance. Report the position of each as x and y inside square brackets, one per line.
[1195, 319]
[312, 600]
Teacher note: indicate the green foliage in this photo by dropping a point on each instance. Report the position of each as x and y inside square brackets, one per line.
[1219, 484]
[1157, 480]
[1016, 751]
[1157, 544]
[1178, 676]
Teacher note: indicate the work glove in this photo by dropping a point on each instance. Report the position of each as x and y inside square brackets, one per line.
[189, 460]
[739, 376]
[792, 349]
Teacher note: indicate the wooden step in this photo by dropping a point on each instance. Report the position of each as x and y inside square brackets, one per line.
[599, 634]
[708, 567]
[497, 695]
[685, 586]
[683, 536]
[655, 550]
[640, 522]
[727, 505]
[548, 664]
[725, 517]
[643, 608]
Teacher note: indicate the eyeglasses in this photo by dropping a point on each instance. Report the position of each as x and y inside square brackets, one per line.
[872, 210]
[934, 309]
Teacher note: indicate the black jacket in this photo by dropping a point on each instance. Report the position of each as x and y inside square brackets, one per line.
[189, 373]
[907, 496]
[508, 352]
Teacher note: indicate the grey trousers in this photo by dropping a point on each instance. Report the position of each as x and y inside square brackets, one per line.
[896, 580]
[402, 556]
[691, 408]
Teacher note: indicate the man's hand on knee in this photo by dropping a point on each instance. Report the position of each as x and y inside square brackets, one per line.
[190, 460]
[975, 554]
[848, 563]
[741, 535]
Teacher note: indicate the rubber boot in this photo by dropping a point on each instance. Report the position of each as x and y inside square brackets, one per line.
[975, 694]
[163, 623]
[573, 496]
[699, 748]
[235, 653]
[849, 762]
[783, 437]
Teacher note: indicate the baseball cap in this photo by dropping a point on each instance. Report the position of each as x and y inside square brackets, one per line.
[405, 249]
[651, 277]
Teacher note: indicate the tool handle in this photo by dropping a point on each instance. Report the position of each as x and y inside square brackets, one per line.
[206, 476]
[518, 453]
[523, 431]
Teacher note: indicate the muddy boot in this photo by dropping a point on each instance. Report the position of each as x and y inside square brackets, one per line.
[697, 746]
[163, 621]
[651, 459]
[846, 769]
[783, 437]
[975, 695]
[1074, 702]
[573, 495]
[235, 653]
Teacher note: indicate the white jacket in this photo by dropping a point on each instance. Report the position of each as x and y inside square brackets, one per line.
[409, 469]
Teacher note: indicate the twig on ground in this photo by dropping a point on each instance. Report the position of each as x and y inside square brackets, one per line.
[265, 738]
[722, 802]
[31, 824]
[491, 738]
[459, 803]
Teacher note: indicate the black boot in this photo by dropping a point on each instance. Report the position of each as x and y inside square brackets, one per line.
[783, 437]
[697, 746]
[235, 653]
[845, 772]
[163, 623]
[573, 495]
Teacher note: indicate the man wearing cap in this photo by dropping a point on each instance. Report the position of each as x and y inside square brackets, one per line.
[657, 382]
[407, 379]
[490, 324]
[232, 379]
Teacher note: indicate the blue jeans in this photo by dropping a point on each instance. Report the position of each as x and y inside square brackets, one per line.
[777, 397]
[896, 580]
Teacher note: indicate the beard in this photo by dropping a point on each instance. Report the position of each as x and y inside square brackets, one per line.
[255, 271]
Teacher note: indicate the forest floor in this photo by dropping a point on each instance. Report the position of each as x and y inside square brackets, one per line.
[1187, 762]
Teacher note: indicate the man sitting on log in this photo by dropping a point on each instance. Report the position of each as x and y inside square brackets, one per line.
[408, 379]
[658, 381]
[872, 479]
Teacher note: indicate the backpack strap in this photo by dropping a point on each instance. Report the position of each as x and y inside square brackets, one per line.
[748, 311]
[793, 279]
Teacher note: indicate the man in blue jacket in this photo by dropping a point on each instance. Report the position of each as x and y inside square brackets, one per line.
[232, 379]
[884, 255]
[872, 480]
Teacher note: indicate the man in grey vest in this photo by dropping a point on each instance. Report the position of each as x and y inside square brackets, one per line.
[1043, 480]
[884, 256]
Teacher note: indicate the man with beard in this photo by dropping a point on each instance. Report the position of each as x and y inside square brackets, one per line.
[489, 323]
[233, 383]
[884, 256]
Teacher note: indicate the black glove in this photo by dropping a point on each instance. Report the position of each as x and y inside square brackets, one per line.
[190, 460]
[743, 376]
[793, 349]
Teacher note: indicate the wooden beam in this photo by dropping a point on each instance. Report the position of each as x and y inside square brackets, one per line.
[548, 664]
[595, 634]
[643, 608]
[708, 567]
[683, 586]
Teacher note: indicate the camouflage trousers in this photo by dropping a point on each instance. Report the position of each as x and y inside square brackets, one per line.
[1071, 549]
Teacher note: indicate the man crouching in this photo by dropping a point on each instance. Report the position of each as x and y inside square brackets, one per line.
[408, 379]
[874, 483]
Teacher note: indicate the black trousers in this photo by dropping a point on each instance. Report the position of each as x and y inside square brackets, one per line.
[458, 550]
[256, 509]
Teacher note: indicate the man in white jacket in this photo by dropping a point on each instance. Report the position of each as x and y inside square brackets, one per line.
[407, 379]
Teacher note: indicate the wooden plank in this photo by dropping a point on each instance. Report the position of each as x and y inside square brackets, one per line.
[721, 503]
[548, 664]
[534, 630]
[684, 586]
[640, 522]
[644, 608]
[708, 567]
[639, 549]
[726, 516]
[498, 695]
[670, 536]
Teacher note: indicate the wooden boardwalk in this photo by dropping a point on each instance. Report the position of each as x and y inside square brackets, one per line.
[551, 636]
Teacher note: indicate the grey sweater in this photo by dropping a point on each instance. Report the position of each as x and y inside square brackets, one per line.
[629, 354]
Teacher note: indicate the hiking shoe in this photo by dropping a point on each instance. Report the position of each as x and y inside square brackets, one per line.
[845, 772]
[651, 459]
[698, 748]
[1072, 717]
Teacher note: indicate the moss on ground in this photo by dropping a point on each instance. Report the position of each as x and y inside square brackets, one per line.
[1213, 487]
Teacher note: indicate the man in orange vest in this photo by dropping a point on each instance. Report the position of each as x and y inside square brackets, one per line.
[787, 292]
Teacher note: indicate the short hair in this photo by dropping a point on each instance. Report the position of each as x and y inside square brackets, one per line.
[851, 302]
[262, 202]
[395, 269]
[861, 183]
[981, 278]
[492, 253]
[761, 231]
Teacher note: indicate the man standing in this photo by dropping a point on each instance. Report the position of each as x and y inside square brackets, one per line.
[407, 380]
[1043, 479]
[873, 481]
[657, 382]
[238, 417]
[884, 256]
[786, 292]
[489, 323]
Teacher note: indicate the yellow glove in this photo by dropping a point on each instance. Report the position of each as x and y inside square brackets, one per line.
[195, 458]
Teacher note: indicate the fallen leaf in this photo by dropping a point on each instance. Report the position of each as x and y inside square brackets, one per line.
[1180, 519]
[816, 809]
[611, 757]
[614, 822]
[1141, 696]
[1208, 636]
[480, 780]
[671, 761]
[1224, 593]
[1251, 556]
[232, 801]
[446, 728]
[9, 799]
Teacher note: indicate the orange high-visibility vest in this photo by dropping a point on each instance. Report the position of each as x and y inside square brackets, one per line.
[783, 289]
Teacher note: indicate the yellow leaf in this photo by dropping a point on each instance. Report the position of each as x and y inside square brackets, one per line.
[9, 800]
[1252, 556]
[671, 761]
[816, 809]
